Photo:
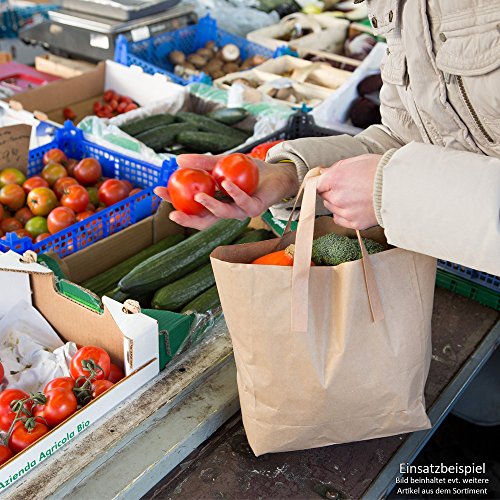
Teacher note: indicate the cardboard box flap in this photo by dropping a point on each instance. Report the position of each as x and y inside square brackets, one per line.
[11, 261]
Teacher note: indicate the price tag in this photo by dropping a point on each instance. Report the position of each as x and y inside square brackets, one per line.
[139, 34]
[99, 41]
[14, 147]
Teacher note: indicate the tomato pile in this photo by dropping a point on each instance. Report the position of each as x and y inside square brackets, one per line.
[113, 104]
[65, 192]
[25, 418]
[185, 183]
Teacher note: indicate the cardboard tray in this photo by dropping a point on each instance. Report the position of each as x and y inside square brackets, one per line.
[129, 339]
[80, 92]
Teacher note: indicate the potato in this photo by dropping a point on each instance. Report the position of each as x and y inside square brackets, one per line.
[206, 53]
[247, 63]
[177, 57]
[214, 64]
[210, 45]
[258, 59]
[217, 74]
[230, 68]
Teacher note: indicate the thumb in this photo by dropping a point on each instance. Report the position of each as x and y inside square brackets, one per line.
[201, 162]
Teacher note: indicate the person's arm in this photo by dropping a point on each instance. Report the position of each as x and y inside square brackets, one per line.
[442, 203]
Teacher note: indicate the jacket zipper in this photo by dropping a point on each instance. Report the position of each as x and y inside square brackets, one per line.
[471, 109]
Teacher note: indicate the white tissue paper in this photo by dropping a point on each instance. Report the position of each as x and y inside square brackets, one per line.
[31, 352]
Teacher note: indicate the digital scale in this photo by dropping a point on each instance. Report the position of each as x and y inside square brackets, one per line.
[77, 31]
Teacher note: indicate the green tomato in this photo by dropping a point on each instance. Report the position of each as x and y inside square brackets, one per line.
[94, 197]
[37, 226]
[11, 176]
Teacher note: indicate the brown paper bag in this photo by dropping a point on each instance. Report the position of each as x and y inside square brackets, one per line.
[327, 355]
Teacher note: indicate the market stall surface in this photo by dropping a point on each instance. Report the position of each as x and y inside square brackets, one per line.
[464, 333]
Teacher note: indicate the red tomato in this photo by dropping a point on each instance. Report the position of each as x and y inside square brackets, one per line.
[70, 165]
[10, 224]
[131, 107]
[7, 416]
[52, 172]
[22, 437]
[41, 201]
[99, 356]
[63, 183]
[66, 383]
[112, 191]
[128, 184]
[100, 387]
[23, 215]
[125, 99]
[42, 237]
[84, 215]
[54, 156]
[184, 184]
[260, 151]
[60, 404]
[108, 95]
[88, 171]
[34, 182]
[97, 107]
[69, 114]
[115, 373]
[114, 104]
[2, 372]
[5, 454]
[121, 107]
[75, 197]
[135, 191]
[23, 233]
[12, 196]
[240, 170]
[3, 214]
[60, 218]
[11, 176]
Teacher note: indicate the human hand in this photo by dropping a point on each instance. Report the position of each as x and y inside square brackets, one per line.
[275, 183]
[347, 191]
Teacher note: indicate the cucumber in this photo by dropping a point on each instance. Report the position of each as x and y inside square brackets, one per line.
[206, 124]
[205, 302]
[109, 279]
[254, 235]
[207, 142]
[117, 294]
[229, 116]
[160, 138]
[173, 263]
[138, 126]
[174, 296]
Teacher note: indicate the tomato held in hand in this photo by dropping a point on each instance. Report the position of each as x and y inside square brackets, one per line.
[260, 151]
[41, 201]
[54, 156]
[66, 383]
[34, 182]
[60, 404]
[97, 356]
[60, 218]
[100, 386]
[112, 191]
[240, 170]
[7, 416]
[12, 196]
[88, 171]
[52, 172]
[115, 373]
[5, 454]
[75, 197]
[184, 184]
[61, 184]
[24, 435]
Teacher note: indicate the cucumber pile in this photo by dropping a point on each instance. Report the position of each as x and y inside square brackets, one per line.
[174, 274]
[189, 132]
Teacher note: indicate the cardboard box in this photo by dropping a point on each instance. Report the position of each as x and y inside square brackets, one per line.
[130, 340]
[61, 66]
[80, 92]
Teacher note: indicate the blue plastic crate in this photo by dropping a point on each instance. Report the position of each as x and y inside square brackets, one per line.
[152, 54]
[108, 221]
[479, 277]
[15, 18]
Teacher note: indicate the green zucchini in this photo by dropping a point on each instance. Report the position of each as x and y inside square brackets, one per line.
[205, 302]
[117, 294]
[173, 263]
[229, 116]
[253, 236]
[138, 126]
[162, 137]
[207, 142]
[206, 124]
[109, 279]
[176, 295]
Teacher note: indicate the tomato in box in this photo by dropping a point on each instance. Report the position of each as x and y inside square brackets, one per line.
[34, 182]
[60, 218]
[41, 201]
[11, 176]
[52, 172]
[12, 196]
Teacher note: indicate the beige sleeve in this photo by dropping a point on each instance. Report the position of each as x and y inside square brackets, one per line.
[442, 203]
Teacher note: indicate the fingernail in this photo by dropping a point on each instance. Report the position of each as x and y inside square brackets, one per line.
[200, 197]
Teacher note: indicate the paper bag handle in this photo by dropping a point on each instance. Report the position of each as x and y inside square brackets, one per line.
[302, 258]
